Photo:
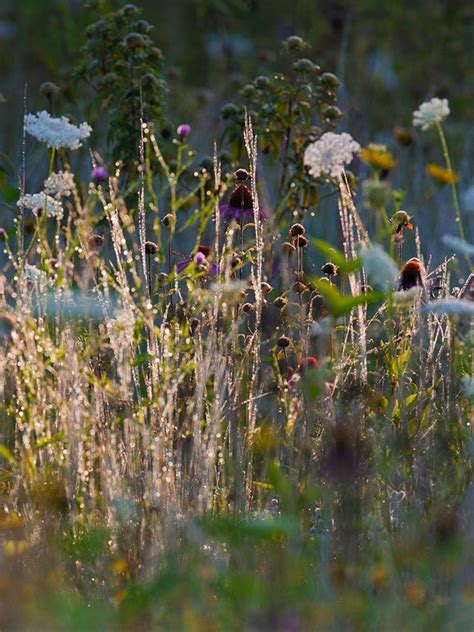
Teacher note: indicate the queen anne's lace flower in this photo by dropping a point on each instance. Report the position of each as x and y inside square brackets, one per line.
[330, 153]
[41, 202]
[36, 276]
[60, 184]
[430, 113]
[451, 307]
[56, 132]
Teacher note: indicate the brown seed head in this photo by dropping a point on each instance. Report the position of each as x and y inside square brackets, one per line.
[330, 269]
[247, 308]
[412, 273]
[297, 229]
[241, 175]
[266, 287]
[300, 241]
[169, 219]
[288, 248]
[150, 248]
[241, 197]
[280, 302]
[283, 342]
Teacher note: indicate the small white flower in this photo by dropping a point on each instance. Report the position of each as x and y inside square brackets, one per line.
[430, 113]
[121, 330]
[330, 153]
[35, 275]
[41, 202]
[60, 184]
[381, 269]
[56, 132]
[450, 306]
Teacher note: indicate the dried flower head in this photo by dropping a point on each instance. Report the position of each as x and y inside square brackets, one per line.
[283, 342]
[330, 269]
[241, 175]
[96, 241]
[297, 229]
[280, 302]
[169, 220]
[265, 287]
[247, 308]
[240, 206]
[150, 248]
[300, 241]
[431, 113]
[328, 155]
[41, 203]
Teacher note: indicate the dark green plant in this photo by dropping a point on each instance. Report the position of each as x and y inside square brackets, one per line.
[124, 67]
[288, 109]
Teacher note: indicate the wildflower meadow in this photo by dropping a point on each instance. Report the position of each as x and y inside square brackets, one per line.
[236, 347]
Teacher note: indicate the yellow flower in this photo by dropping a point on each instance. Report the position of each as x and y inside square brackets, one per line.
[442, 175]
[378, 156]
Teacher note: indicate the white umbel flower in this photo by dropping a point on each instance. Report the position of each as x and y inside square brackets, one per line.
[381, 269]
[41, 202]
[60, 184]
[451, 307]
[56, 132]
[430, 113]
[36, 276]
[328, 155]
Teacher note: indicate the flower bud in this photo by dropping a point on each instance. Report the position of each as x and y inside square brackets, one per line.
[169, 220]
[150, 248]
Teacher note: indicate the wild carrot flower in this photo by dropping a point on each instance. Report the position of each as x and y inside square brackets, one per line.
[328, 155]
[35, 275]
[451, 307]
[41, 202]
[56, 132]
[412, 274]
[430, 113]
[60, 184]
[240, 206]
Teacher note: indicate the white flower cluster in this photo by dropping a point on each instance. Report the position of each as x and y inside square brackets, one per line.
[41, 202]
[330, 153]
[430, 113]
[381, 269]
[60, 184]
[36, 276]
[451, 307]
[121, 331]
[56, 132]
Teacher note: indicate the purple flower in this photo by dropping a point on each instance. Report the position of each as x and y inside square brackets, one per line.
[99, 174]
[183, 130]
[199, 259]
[3, 234]
[240, 206]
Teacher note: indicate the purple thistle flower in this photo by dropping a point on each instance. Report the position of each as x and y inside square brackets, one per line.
[183, 130]
[200, 258]
[240, 206]
[99, 174]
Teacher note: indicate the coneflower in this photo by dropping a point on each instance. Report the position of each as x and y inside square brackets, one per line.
[412, 274]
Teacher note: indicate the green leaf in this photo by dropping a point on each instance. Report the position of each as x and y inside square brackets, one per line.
[336, 256]
[7, 455]
[339, 304]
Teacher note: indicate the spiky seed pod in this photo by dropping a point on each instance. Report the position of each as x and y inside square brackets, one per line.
[169, 219]
[283, 342]
[330, 269]
[150, 248]
[288, 248]
[265, 287]
[96, 242]
[247, 308]
[280, 302]
[300, 241]
[297, 229]
[241, 175]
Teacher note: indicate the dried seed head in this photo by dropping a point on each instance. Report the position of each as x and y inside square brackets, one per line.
[194, 325]
[280, 302]
[330, 269]
[404, 136]
[241, 175]
[300, 288]
[283, 342]
[169, 220]
[297, 229]
[241, 197]
[7, 324]
[49, 90]
[265, 287]
[150, 248]
[3, 234]
[288, 248]
[235, 261]
[300, 241]
[96, 242]
[247, 308]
